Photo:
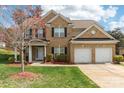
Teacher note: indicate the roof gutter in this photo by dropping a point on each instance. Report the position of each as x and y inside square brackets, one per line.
[94, 42]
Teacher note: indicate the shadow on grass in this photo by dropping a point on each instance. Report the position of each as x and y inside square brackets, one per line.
[4, 61]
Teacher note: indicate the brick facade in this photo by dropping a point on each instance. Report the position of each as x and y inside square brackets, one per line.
[72, 32]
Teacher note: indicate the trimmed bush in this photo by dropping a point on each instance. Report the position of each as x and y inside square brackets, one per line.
[118, 59]
[48, 57]
[6, 57]
[60, 58]
[11, 59]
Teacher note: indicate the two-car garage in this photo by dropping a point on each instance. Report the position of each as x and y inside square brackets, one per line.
[93, 45]
[82, 55]
[93, 55]
[103, 55]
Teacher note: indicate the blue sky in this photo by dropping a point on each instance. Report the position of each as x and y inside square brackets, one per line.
[108, 16]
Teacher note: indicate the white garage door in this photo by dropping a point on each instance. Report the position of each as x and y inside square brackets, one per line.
[82, 55]
[103, 55]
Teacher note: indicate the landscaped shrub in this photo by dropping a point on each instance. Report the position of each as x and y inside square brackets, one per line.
[7, 54]
[49, 57]
[60, 58]
[118, 59]
[4, 57]
[11, 59]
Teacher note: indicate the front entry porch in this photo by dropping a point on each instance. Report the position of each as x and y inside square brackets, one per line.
[36, 51]
[36, 54]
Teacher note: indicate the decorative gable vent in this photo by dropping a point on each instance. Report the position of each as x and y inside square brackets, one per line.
[93, 32]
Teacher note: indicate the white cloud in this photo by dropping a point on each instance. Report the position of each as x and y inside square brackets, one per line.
[110, 12]
[116, 24]
[84, 12]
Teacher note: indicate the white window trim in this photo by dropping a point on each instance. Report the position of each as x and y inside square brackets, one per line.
[59, 49]
[40, 32]
[59, 29]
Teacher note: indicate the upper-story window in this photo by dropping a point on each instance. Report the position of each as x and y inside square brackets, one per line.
[39, 33]
[28, 33]
[59, 32]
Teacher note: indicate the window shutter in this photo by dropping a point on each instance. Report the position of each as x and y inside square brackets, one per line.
[44, 34]
[36, 30]
[65, 50]
[52, 31]
[65, 31]
[52, 50]
[30, 32]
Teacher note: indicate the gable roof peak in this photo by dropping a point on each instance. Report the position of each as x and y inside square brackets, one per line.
[49, 12]
[98, 27]
[52, 11]
[60, 15]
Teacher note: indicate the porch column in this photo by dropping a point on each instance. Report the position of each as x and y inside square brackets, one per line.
[15, 54]
[30, 54]
[45, 51]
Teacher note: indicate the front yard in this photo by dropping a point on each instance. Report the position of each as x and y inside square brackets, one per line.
[50, 77]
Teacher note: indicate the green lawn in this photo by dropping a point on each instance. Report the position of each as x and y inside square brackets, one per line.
[51, 77]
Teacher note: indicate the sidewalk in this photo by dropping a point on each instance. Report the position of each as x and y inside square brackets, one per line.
[53, 65]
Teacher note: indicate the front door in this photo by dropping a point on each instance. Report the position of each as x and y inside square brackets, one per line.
[39, 53]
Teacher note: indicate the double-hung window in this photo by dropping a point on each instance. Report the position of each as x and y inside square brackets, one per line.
[59, 32]
[40, 33]
[28, 33]
[60, 50]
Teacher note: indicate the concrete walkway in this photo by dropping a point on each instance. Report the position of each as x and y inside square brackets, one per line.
[105, 75]
[53, 65]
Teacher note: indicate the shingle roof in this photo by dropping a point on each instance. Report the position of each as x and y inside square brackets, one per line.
[76, 23]
[60, 15]
[83, 23]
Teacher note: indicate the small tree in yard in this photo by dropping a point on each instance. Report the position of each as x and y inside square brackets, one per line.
[117, 34]
[22, 18]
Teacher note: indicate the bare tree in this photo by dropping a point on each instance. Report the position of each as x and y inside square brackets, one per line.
[23, 18]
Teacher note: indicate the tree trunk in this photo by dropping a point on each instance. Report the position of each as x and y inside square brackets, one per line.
[22, 58]
[22, 61]
[15, 53]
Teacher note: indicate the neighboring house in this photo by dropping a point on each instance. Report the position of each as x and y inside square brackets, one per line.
[2, 40]
[121, 46]
[84, 41]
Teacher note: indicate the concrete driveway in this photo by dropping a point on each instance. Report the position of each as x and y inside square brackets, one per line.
[105, 75]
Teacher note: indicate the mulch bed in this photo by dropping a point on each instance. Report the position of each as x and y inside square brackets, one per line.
[25, 75]
[55, 62]
[16, 64]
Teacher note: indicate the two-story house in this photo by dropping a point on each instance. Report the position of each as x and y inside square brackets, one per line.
[84, 41]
